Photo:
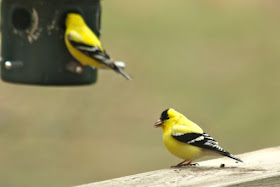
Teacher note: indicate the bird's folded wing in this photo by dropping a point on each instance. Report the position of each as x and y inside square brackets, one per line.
[92, 51]
[184, 134]
[202, 140]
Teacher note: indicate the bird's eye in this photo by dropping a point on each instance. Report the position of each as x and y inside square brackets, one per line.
[164, 115]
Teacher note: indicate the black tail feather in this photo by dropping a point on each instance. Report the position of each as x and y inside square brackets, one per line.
[230, 156]
[121, 72]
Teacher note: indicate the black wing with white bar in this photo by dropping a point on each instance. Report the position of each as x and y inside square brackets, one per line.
[204, 141]
[92, 51]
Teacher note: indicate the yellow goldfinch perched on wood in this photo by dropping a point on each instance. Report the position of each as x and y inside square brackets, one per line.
[85, 46]
[186, 140]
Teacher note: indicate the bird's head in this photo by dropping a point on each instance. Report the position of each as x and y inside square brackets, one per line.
[168, 117]
[74, 19]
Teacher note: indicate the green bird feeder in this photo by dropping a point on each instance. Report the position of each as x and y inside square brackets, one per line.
[33, 48]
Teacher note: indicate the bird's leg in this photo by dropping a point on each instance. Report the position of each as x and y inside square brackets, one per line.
[180, 164]
[190, 164]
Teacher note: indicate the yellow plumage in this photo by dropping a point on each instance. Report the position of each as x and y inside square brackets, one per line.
[85, 46]
[179, 149]
[185, 139]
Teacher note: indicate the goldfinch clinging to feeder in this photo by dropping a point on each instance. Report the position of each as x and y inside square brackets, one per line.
[186, 140]
[85, 46]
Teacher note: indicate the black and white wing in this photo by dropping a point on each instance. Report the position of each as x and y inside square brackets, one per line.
[96, 53]
[92, 51]
[203, 140]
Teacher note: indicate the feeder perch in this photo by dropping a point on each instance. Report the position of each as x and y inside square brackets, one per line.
[33, 48]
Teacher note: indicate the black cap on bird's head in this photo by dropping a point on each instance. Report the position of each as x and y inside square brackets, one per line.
[164, 116]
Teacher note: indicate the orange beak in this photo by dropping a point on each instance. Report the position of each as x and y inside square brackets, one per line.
[158, 123]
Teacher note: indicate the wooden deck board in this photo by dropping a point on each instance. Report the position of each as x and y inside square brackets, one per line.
[260, 168]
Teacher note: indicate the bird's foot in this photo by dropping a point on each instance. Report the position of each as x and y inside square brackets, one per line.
[181, 164]
[191, 164]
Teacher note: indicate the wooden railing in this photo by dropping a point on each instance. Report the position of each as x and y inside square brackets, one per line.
[260, 168]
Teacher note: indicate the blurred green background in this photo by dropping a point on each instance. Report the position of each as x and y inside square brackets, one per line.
[217, 62]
